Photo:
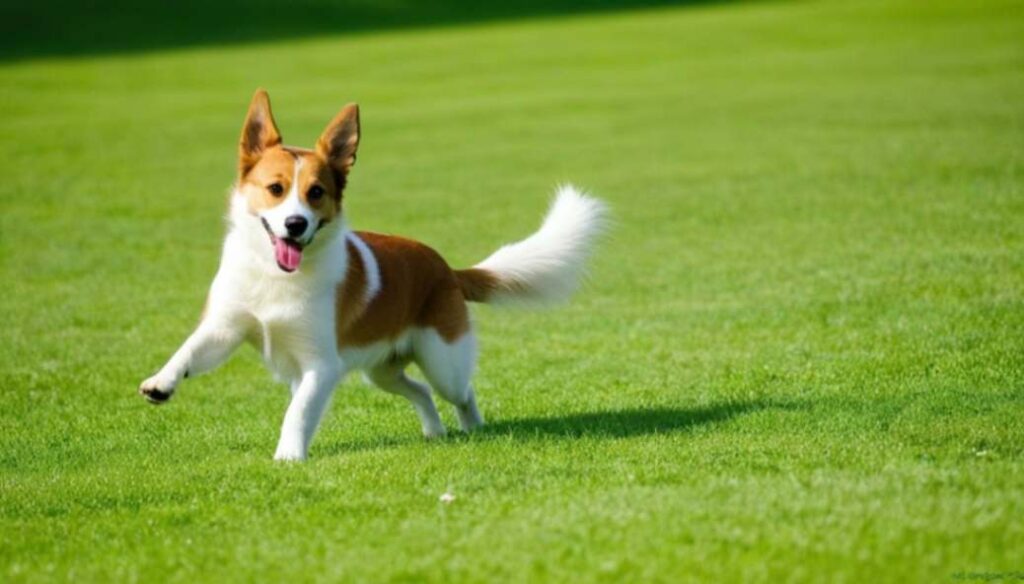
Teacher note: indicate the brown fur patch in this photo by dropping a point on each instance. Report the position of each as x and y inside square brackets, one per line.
[477, 284]
[418, 289]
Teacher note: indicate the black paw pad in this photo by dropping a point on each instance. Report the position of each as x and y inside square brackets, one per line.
[156, 396]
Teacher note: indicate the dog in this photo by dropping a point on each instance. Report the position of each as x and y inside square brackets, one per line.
[320, 300]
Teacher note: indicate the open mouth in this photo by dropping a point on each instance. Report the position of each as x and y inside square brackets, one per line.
[287, 251]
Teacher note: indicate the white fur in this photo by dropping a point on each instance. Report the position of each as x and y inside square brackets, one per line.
[449, 368]
[291, 317]
[370, 266]
[546, 267]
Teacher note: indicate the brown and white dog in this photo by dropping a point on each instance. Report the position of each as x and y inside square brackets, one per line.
[319, 300]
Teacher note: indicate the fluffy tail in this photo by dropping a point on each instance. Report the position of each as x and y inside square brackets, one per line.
[546, 267]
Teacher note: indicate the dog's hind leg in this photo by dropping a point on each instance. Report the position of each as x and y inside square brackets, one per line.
[449, 367]
[391, 377]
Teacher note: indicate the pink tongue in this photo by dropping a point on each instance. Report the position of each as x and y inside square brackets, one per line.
[288, 256]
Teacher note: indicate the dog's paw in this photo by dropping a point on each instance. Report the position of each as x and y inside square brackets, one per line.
[434, 432]
[289, 454]
[156, 390]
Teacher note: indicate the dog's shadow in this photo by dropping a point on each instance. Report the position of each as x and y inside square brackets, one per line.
[610, 424]
[624, 423]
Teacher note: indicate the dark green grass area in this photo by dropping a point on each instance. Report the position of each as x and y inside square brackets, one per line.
[70, 27]
[799, 357]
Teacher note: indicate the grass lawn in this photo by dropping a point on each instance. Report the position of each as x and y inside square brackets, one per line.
[800, 356]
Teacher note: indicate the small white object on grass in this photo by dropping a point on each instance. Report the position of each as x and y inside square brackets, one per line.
[446, 497]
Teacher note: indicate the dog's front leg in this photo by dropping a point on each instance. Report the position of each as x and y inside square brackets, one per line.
[206, 348]
[309, 400]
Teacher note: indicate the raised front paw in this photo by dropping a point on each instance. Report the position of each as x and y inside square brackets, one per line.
[156, 390]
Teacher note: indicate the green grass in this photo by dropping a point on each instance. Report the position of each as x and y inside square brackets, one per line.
[801, 355]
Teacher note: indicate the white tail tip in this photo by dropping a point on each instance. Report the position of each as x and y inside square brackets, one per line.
[546, 267]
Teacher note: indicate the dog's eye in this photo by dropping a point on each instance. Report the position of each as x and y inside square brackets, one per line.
[276, 189]
[315, 193]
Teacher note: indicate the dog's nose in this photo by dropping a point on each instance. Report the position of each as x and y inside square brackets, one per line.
[296, 225]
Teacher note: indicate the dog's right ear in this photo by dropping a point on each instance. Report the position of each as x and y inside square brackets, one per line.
[258, 133]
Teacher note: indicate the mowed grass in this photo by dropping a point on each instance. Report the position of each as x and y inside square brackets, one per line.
[799, 356]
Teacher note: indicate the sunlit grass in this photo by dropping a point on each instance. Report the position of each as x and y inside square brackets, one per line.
[799, 356]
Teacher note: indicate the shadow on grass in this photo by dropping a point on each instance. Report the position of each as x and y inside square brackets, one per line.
[624, 423]
[73, 27]
[608, 424]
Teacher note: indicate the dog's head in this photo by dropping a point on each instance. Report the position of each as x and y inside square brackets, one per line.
[294, 192]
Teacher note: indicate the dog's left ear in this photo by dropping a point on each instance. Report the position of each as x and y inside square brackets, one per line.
[259, 132]
[340, 140]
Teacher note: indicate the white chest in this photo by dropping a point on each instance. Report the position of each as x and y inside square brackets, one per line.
[292, 316]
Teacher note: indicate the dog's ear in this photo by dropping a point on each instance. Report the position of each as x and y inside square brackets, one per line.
[340, 140]
[258, 133]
